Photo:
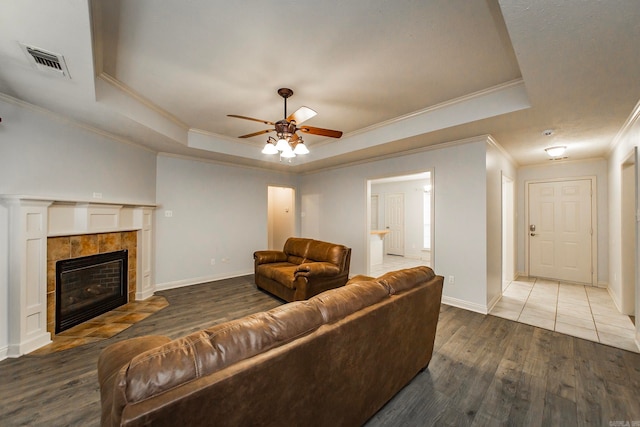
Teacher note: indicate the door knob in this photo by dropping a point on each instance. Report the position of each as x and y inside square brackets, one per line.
[533, 234]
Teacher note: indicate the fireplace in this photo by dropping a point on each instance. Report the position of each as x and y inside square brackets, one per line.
[89, 286]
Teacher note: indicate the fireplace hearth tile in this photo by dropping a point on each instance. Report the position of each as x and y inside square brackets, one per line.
[104, 326]
[107, 331]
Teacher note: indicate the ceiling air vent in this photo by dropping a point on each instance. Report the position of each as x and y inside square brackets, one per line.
[46, 61]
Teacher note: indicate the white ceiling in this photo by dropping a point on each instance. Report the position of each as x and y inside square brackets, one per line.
[393, 75]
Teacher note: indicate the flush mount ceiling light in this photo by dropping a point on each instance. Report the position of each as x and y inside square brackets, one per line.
[288, 143]
[555, 152]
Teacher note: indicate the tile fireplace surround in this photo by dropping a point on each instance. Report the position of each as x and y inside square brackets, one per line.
[42, 231]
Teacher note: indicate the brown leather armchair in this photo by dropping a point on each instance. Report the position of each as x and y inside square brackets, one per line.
[304, 268]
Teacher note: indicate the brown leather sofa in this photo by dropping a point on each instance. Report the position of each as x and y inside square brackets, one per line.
[334, 359]
[304, 268]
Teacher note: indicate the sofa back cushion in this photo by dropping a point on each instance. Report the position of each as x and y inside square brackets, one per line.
[401, 280]
[328, 252]
[210, 350]
[341, 302]
[296, 249]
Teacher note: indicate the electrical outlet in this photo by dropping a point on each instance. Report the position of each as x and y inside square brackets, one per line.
[452, 280]
[213, 261]
[225, 260]
[97, 195]
[168, 214]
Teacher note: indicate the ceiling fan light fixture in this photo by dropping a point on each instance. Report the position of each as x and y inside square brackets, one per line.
[556, 151]
[288, 153]
[300, 148]
[282, 144]
[269, 148]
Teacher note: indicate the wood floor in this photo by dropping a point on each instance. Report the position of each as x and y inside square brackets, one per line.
[485, 370]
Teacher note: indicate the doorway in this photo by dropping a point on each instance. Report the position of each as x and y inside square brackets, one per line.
[561, 230]
[281, 218]
[508, 231]
[400, 222]
[629, 234]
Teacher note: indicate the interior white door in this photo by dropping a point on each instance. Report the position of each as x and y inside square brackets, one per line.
[281, 222]
[394, 220]
[560, 230]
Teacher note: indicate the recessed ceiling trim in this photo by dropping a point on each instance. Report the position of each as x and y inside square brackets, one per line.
[493, 102]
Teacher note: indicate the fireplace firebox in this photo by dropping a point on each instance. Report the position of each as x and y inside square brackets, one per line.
[89, 286]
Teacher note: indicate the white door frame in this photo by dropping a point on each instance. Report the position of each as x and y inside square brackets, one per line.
[628, 219]
[594, 222]
[367, 191]
[508, 229]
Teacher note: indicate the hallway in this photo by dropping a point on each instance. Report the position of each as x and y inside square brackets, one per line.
[580, 311]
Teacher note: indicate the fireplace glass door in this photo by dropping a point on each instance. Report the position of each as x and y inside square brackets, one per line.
[89, 286]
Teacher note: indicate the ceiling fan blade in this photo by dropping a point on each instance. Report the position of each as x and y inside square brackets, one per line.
[320, 131]
[266, 122]
[294, 138]
[262, 132]
[301, 114]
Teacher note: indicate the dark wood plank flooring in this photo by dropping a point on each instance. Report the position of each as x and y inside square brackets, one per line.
[485, 370]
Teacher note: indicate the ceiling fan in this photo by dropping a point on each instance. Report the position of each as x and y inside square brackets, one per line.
[289, 143]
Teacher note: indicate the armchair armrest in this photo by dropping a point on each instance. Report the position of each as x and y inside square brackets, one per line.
[266, 257]
[317, 269]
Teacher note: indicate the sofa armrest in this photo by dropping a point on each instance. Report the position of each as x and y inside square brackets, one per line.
[111, 360]
[317, 269]
[266, 257]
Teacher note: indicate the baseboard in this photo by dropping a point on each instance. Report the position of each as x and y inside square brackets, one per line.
[199, 280]
[4, 352]
[17, 350]
[141, 296]
[466, 305]
[614, 298]
[493, 302]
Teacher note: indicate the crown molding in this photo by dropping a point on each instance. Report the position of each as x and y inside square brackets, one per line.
[142, 100]
[633, 118]
[440, 146]
[68, 120]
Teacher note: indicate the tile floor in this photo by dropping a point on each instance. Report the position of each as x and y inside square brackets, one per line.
[580, 311]
[104, 326]
[393, 262]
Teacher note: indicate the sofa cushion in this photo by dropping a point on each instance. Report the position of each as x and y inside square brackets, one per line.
[324, 251]
[212, 349]
[283, 273]
[296, 248]
[402, 280]
[339, 303]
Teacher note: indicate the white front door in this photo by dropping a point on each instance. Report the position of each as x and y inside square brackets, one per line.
[560, 230]
[394, 220]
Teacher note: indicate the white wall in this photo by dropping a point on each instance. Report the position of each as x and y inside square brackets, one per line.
[334, 204]
[413, 192]
[628, 139]
[568, 169]
[42, 154]
[497, 164]
[218, 211]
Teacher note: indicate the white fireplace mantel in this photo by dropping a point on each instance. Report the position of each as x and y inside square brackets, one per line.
[31, 221]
